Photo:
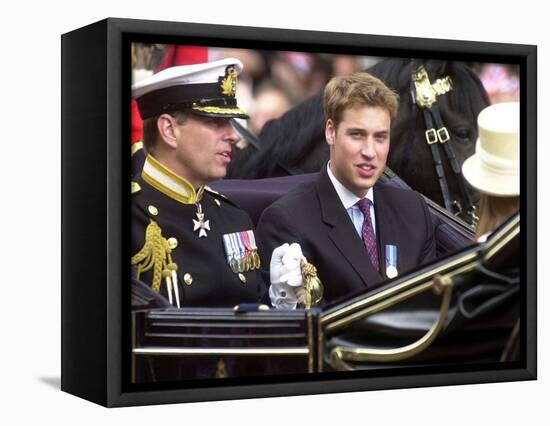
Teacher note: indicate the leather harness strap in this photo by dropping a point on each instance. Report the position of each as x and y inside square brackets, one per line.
[424, 96]
[432, 139]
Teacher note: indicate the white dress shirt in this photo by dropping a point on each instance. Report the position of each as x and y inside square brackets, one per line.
[349, 201]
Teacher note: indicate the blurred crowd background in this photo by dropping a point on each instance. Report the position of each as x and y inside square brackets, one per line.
[274, 81]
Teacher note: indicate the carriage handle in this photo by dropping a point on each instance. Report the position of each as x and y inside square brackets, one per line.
[340, 354]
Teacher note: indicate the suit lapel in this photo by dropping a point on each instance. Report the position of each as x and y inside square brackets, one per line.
[386, 232]
[343, 233]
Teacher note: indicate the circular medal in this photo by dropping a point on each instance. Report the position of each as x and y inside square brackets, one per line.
[234, 265]
[391, 271]
[257, 263]
[240, 264]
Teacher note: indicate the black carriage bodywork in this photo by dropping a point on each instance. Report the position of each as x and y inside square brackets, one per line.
[193, 343]
[462, 309]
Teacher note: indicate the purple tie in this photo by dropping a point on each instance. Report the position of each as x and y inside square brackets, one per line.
[367, 232]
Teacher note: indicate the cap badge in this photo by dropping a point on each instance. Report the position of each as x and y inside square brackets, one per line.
[228, 84]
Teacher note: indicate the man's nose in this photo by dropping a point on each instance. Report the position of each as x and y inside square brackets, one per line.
[367, 149]
[230, 134]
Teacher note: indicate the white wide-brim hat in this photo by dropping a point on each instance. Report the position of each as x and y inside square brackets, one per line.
[494, 168]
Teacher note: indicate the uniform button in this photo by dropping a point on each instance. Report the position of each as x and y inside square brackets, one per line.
[188, 279]
[153, 210]
[172, 242]
[242, 278]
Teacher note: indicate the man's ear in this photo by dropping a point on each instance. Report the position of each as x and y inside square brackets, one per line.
[330, 131]
[167, 127]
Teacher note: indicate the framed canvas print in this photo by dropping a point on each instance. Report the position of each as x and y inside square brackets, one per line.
[252, 212]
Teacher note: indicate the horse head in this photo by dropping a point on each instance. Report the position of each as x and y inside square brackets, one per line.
[410, 156]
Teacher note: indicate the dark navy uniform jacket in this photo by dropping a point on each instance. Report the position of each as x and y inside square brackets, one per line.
[165, 205]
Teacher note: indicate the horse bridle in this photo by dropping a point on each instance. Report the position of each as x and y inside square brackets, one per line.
[424, 96]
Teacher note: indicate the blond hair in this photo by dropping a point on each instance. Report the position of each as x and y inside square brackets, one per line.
[357, 89]
[493, 211]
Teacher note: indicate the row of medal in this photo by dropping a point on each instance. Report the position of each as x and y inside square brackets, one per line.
[241, 251]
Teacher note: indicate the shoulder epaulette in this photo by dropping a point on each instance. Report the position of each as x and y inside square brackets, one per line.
[219, 196]
[136, 147]
[135, 187]
[207, 188]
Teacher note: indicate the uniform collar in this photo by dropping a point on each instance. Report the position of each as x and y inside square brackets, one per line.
[169, 183]
[348, 198]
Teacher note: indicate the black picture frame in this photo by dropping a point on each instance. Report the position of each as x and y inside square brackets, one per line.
[95, 206]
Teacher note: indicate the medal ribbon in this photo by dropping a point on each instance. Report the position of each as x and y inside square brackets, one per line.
[238, 252]
[228, 248]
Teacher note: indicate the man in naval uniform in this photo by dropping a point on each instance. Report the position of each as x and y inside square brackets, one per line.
[189, 243]
[355, 231]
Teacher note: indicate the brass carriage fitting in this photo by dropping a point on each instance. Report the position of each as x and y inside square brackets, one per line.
[441, 282]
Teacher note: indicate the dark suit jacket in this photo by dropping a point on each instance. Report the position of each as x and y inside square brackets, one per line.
[313, 216]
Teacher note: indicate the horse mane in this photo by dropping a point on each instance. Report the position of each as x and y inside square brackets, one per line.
[284, 141]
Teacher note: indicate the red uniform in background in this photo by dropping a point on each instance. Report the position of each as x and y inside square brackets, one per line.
[175, 55]
[137, 124]
[183, 55]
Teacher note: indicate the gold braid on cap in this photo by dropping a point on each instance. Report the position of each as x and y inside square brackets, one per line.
[313, 287]
[156, 254]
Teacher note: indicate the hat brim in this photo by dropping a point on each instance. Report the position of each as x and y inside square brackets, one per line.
[220, 111]
[489, 181]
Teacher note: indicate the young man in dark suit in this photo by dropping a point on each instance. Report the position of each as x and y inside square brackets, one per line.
[355, 231]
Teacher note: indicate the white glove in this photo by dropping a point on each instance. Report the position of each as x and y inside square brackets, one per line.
[282, 296]
[286, 288]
